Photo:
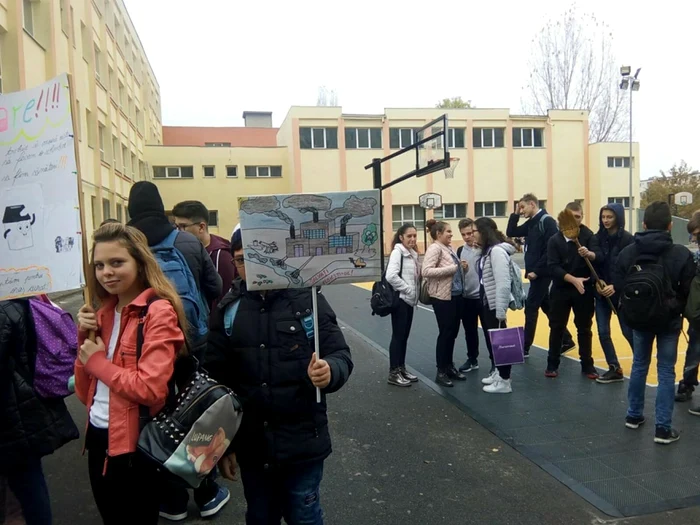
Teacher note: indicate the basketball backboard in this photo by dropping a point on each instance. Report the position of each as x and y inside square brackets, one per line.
[433, 153]
[430, 201]
[683, 198]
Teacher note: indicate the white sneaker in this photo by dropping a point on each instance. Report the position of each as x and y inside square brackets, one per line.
[499, 386]
[489, 379]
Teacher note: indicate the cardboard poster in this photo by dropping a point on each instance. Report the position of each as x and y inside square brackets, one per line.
[303, 240]
[41, 245]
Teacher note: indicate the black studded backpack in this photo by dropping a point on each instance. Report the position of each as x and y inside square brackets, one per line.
[187, 438]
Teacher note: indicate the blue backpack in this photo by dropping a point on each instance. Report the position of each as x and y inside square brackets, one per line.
[176, 269]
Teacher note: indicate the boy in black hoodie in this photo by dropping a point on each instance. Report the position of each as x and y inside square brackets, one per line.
[572, 289]
[652, 247]
[613, 238]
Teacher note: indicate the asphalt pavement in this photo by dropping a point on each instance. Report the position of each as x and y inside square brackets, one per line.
[401, 456]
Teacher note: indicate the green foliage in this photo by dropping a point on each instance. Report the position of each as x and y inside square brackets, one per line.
[679, 178]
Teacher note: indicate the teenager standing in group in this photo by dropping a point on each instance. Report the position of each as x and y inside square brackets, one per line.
[537, 230]
[613, 238]
[445, 285]
[471, 301]
[494, 290]
[403, 274]
[132, 290]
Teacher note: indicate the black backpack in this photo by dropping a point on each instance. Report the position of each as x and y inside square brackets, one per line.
[384, 298]
[648, 301]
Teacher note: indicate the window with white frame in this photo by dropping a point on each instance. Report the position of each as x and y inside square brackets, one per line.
[122, 95]
[98, 62]
[133, 166]
[28, 11]
[106, 205]
[209, 172]
[490, 209]
[451, 211]
[403, 213]
[488, 137]
[120, 213]
[625, 201]
[125, 159]
[318, 138]
[173, 172]
[401, 137]
[231, 172]
[363, 138]
[528, 137]
[455, 137]
[101, 139]
[619, 162]
[263, 172]
[115, 152]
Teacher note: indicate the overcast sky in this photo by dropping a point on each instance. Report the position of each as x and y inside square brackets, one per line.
[215, 59]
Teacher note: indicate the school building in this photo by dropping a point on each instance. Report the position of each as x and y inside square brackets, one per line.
[117, 109]
[321, 149]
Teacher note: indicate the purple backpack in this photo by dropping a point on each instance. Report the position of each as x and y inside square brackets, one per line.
[57, 348]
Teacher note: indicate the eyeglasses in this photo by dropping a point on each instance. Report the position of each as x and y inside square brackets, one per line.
[239, 261]
[182, 227]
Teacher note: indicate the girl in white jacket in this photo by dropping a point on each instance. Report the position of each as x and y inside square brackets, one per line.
[403, 274]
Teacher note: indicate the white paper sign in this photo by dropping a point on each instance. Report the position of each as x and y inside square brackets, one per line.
[41, 245]
[304, 240]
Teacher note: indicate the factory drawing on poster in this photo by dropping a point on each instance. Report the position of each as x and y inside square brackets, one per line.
[301, 240]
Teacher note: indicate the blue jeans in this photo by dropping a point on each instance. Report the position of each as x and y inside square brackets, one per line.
[28, 484]
[666, 354]
[603, 313]
[291, 493]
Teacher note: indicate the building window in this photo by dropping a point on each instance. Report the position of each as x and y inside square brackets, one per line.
[363, 138]
[527, 137]
[314, 234]
[318, 138]
[115, 152]
[488, 137]
[105, 209]
[64, 17]
[122, 95]
[72, 25]
[217, 144]
[133, 166]
[28, 8]
[125, 159]
[231, 171]
[489, 209]
[400, 138]
[101, 139]
[263, 171]
[98, 61]
[213, 218]
[173, 172]
[209, 172]
[413, 214]
[120, 213]
[618, 162]
[455, 137]
[91, 133]
[451, 211]
[625, 201]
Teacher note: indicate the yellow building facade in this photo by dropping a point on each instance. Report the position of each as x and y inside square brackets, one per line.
[321, 149]
[117, 97]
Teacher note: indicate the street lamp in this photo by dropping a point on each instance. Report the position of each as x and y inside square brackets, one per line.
[630, 82]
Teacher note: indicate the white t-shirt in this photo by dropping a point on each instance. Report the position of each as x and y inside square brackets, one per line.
[99, 411]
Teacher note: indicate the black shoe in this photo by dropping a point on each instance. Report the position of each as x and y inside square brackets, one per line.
[469, 366]
[567, 346]
[634, 422]
[685, 392]
[666, 436]
[397, 379]
[453, 373]
[407, 375]
[526, 353]
[614, 375]
[443, 379]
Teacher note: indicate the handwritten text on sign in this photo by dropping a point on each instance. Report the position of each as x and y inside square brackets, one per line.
[41, 239]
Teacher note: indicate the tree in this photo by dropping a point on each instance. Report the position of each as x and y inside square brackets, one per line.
[369, 236]
[572, 66]
[454, 103]
[679, 178]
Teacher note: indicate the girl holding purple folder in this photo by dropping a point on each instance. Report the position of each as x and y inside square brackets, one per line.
[494, 279]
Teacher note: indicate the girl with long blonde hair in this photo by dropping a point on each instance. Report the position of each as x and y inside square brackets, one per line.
[109, 378]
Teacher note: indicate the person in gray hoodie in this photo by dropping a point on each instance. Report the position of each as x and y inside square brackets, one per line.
[470, 310]
[494, 278]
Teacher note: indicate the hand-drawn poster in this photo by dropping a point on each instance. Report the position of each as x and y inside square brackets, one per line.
[303, 240]
[40, 249]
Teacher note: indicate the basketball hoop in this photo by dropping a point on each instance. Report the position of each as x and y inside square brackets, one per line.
[450, 170]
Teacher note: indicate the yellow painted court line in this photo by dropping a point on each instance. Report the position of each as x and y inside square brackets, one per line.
[624, 352]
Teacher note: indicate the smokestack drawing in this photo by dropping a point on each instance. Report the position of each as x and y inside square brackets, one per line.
[315, 214]
[343, 224]
[292, 232]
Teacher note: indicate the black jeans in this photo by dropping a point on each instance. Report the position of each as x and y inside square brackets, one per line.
[538, 296]
[563, 299]
[447, 315]
[27, 483]
[489, 321]
[125, 488]
[401, 319]
[469, 312]
[692, 356]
